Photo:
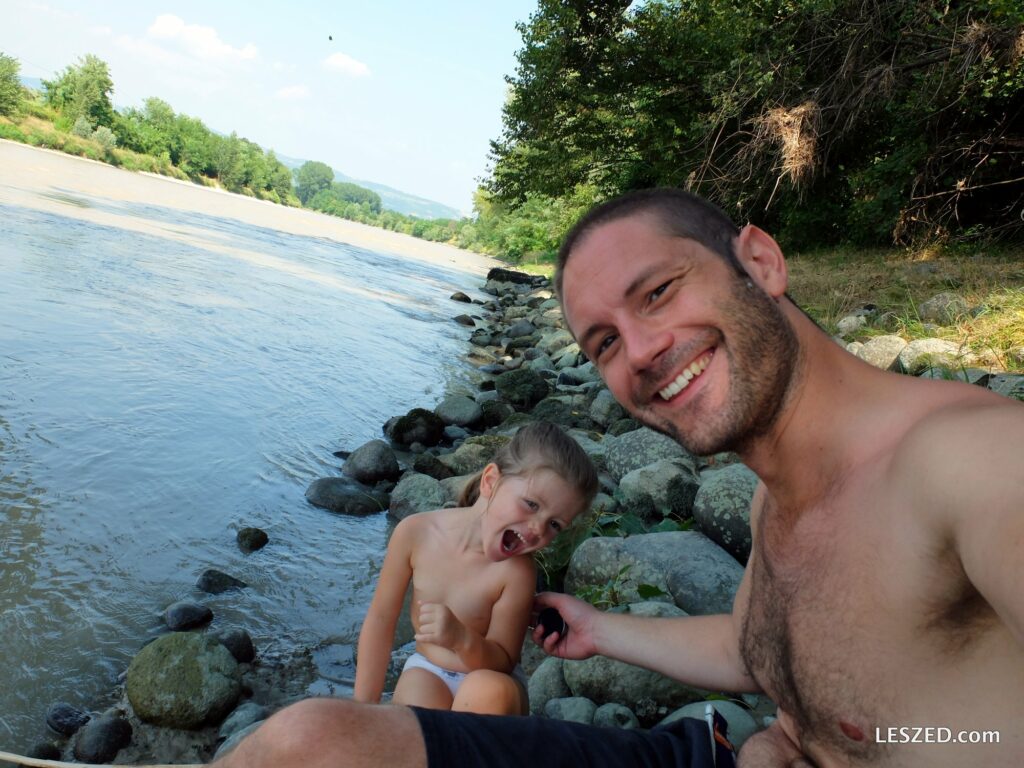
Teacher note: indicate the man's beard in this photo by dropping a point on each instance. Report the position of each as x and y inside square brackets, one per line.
[762, 354]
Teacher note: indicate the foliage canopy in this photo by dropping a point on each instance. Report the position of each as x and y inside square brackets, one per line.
[83, 90]
[825, 120]
[10, 85]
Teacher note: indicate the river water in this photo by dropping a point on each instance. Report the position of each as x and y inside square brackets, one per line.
[162, 387]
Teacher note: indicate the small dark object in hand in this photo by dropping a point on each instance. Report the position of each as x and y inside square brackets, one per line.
[552, 621]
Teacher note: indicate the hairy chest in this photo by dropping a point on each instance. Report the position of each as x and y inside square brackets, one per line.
[847, 617]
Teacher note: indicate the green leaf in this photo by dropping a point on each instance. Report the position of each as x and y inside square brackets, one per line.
[648, 591]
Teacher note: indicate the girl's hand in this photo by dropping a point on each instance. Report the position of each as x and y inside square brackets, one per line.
[438, 625]
[577, 642]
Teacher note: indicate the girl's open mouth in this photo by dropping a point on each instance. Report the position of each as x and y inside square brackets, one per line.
[511, 541]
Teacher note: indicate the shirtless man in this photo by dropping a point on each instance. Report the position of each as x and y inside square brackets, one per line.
[882, 592]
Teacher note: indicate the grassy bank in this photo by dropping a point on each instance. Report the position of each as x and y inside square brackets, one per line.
[36, 126]
[830, 284]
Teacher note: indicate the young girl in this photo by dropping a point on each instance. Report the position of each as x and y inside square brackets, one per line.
[473, 580]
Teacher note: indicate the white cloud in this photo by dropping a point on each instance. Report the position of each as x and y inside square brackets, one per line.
[293, 93]
[201, 42]
[101, 31]
[342, 62]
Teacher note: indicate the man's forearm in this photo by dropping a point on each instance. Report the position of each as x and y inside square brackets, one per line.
[702, 651]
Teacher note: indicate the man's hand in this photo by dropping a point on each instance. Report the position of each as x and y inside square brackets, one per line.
[577, 642]
[772, 748]
[439, 626]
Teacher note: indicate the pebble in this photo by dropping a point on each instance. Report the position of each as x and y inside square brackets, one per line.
[214, 582]
[184, 615]
[252, 539]
[239, 643]
[65, 719]
[102, 739]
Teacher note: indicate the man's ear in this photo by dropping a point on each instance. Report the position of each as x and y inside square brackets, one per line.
[489, 480]
[762, 259]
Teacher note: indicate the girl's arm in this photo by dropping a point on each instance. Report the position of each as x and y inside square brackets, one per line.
[500, 648]
[378, 632]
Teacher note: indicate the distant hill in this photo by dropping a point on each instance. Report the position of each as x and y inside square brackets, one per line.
[32, 82]
[392, 199]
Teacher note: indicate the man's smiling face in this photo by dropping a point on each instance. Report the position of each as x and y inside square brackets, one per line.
[683, 342]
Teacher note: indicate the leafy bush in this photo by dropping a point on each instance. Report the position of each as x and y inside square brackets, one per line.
[12, 132]
[82, 127]
[10, 85]
[105, 137]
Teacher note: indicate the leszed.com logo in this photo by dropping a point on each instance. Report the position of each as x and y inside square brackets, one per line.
[908, 734]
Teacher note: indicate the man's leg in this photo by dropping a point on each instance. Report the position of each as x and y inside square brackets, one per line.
[333, 733]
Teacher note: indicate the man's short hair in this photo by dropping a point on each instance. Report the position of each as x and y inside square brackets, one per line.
[681, 213]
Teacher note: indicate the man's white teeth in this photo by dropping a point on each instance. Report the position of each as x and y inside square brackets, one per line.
[682, 381]
[511, 542]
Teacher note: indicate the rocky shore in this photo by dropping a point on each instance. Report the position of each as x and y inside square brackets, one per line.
[668, 536]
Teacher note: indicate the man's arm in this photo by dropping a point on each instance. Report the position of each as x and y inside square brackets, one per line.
[986, 505]
[702, 651]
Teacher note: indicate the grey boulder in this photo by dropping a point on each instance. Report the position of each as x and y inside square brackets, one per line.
[371, 463]
[639, 448]
[694, 572]
[605, 680]
[346, 496]
[183, 680]
[667, 487]
[459, 411]
[574, 709]
[722, 508]
[416, 493]
[100, 740]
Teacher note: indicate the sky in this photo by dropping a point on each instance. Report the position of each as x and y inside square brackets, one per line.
[407, 93]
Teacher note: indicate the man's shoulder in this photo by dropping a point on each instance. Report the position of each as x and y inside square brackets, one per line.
[972, 419]
[962, 451]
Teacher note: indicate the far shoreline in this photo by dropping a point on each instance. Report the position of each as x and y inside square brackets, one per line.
[37, 178]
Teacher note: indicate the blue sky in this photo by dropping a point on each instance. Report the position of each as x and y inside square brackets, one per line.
[408, 93]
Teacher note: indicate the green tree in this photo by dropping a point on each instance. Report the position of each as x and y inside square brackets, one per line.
[311, 178]
[10, 85]
[824, 120]
[353, 193]
[83, 89]
[280, 178]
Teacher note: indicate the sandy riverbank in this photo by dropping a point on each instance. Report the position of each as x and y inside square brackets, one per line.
[51, 181]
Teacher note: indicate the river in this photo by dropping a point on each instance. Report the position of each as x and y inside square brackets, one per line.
[177, 363]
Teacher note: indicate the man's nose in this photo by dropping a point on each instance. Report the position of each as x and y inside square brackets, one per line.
[644, 346]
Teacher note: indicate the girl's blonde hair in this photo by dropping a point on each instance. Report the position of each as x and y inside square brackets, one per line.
[542, 445]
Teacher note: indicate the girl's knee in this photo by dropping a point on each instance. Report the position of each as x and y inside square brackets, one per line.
[492, 693]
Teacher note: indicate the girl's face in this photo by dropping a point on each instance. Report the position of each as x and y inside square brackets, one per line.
[526, 512]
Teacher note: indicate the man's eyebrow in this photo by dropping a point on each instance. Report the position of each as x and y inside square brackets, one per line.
[631, 289]
[640, 279]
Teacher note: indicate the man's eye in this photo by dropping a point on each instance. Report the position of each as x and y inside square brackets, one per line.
[606, 342]
[557, 526]
[532, 504]
[657, 292]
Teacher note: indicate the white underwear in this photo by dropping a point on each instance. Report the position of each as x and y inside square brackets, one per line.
[452, 679]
